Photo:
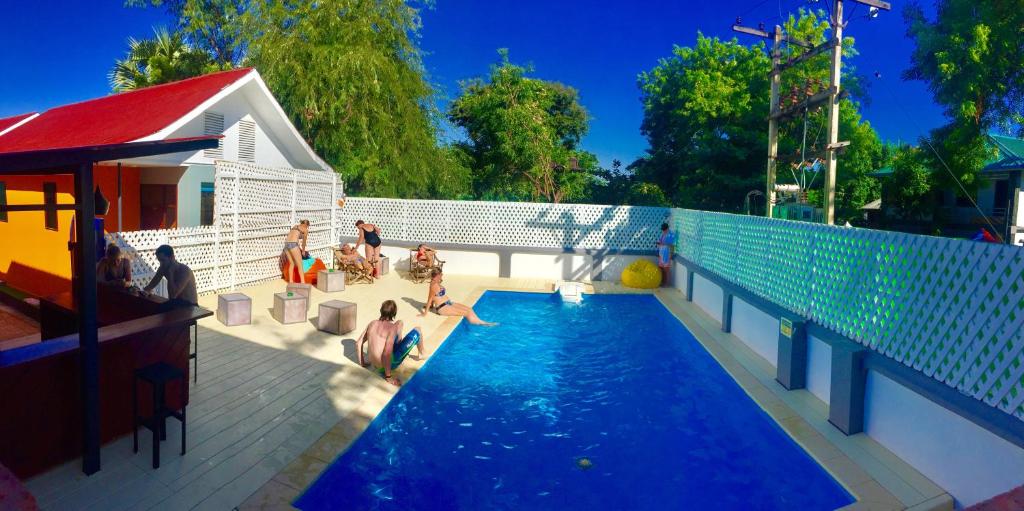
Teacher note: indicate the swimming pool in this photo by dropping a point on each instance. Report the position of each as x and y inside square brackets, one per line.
[608, 404]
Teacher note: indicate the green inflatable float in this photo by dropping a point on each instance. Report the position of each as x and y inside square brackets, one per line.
[641, 274]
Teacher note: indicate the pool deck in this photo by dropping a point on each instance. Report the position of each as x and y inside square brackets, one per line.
[276, 403]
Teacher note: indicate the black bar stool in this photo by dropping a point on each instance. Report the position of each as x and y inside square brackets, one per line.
[158, 375]
[194, 355]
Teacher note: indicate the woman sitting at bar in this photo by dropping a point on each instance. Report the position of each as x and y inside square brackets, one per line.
[114, 270]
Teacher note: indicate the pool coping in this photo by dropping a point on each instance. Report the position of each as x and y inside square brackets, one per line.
[875, 485]
[874, 476]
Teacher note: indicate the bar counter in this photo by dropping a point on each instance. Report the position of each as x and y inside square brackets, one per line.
[40, 384]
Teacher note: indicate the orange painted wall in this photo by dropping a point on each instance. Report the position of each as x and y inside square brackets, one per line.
[35, 259]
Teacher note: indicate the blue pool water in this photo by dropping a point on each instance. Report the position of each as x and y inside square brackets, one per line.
[608, 404]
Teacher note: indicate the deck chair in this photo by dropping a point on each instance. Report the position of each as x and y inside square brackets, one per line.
[354, 272]
[419, 271]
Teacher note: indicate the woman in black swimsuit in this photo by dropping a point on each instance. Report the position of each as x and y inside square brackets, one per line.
[442, 305]
[370, 235]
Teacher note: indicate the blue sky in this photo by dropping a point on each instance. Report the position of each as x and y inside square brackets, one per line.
[60, 51]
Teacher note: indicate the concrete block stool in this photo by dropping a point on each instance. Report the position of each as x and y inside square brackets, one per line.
[330, 281]
[290, 307]
[301, 289]
[385, 264]
[337, 317]
[234, 309]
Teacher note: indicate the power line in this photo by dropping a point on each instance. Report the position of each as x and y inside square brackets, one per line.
[878, 78]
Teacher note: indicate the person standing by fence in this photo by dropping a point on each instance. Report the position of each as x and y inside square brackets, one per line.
[370, 235]
[666, 243]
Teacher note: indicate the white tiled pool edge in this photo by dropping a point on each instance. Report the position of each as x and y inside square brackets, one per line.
[876, 477]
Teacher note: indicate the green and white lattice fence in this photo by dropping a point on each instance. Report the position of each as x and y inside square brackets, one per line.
[952, 309]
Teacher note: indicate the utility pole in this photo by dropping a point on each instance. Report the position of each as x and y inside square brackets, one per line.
[833, 114]
[831, 95]
[773, 122]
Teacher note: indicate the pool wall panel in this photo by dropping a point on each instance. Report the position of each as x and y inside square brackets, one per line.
[819, 368]
[756, 329]
[708, 297]
[552, 266]
[610, 267]
[969, 462]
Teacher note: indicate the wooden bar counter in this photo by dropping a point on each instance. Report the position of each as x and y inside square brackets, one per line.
[40, 384]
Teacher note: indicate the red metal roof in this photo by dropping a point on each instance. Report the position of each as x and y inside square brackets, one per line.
[117, 118]
[7, 122]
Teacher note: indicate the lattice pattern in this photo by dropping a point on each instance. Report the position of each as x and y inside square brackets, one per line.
[953, 309]
[516, 224]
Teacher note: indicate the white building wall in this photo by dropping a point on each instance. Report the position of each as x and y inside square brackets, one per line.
[966, 460]
[708, 297]
[756, 329]
[819, 368]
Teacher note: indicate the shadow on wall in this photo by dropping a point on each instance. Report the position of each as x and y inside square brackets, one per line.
[635, 227]
[36, 281]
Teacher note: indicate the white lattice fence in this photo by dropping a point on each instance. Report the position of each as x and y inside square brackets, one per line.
[513, 224]
[953, 309]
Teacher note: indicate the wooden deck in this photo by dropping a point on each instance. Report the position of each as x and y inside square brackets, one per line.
[266, 393]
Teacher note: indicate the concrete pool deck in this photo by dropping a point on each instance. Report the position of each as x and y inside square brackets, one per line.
[276, 403]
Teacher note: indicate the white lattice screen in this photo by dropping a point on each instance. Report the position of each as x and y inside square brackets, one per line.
[254, 208]
[513, 224]
[953, 309]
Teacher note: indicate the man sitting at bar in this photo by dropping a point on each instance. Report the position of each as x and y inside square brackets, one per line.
[181, 283]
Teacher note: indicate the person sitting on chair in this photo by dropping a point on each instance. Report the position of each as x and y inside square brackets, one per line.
[386, 351]
[113, 269]
[181, 282]
[350, 256]
[425, 255]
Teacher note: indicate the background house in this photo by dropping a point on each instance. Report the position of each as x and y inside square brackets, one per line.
[999, 195]
[161, 192]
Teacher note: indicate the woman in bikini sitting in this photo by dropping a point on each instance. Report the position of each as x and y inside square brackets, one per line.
[438, 302]
[295, 247]
[370, 235]
[425, 255]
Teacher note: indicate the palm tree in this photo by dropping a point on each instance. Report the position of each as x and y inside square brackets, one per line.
[164, 58]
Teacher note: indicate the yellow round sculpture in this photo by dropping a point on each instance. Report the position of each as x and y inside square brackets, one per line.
[641, 274]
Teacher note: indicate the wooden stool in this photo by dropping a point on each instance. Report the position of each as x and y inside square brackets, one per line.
[290, 307]
[158, 375]
[337, 317]
[234, 309]
[330, 281]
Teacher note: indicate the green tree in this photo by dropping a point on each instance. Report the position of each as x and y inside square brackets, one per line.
[909, 188]
[970, 56]
[349, 74]
[524, 135]
[164, 58]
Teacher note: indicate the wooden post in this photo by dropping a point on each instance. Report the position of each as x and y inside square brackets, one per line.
[773, 122]
[833, 115]
[87, 335]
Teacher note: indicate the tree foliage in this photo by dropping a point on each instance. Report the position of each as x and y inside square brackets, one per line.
[524, 135]
[349, 74]
[972, 58]
[164, 58]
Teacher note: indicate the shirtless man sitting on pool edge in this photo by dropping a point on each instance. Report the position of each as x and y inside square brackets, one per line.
[386, 352]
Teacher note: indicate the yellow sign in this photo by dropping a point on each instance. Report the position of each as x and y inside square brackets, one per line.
[786, 327]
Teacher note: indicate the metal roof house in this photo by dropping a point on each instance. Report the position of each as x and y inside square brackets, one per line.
[999, 195]
[162, 191]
